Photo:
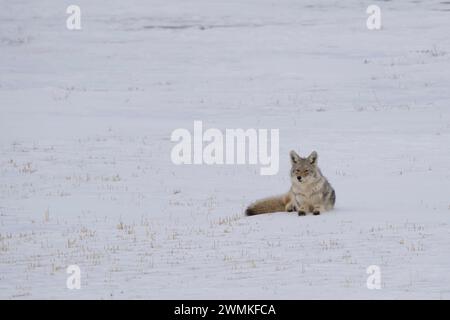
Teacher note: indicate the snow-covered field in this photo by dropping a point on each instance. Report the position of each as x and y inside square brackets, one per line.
[86, 176]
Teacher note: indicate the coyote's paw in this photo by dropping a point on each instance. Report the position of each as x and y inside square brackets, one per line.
[290, 207]
[302, 213]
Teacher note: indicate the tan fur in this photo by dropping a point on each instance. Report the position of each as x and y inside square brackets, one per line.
[272, 204]
[310, 190]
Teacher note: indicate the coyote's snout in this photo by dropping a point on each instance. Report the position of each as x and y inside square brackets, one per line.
[310, 190]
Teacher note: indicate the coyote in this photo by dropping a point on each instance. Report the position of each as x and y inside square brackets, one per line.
[310, 190]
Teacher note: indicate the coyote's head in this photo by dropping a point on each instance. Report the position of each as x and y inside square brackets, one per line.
[304, 170]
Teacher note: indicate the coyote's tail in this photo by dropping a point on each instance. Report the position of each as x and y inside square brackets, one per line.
[272, 204]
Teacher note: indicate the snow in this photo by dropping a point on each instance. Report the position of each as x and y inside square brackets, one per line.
[85, 170]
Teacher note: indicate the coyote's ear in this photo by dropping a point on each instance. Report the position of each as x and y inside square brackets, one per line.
[312, 158]
[295, 158]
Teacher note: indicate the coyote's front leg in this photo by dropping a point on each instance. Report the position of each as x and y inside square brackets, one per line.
[317, 209]
[302, 209]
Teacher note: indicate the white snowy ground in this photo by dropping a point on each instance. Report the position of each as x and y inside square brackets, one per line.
[85, 170]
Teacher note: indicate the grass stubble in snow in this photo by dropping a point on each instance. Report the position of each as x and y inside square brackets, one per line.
[85, 170]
